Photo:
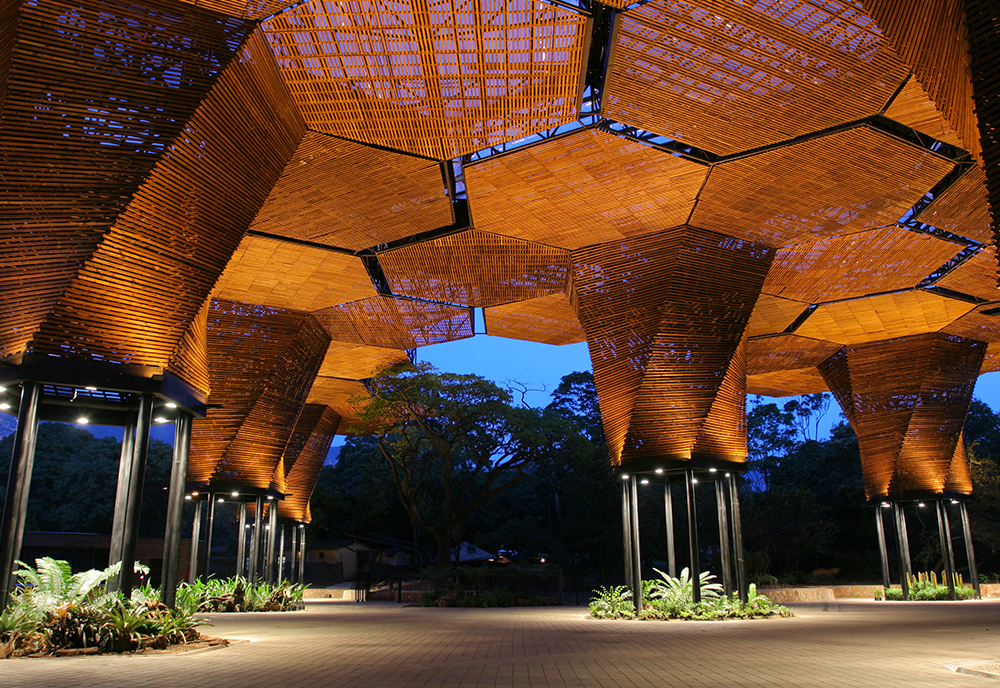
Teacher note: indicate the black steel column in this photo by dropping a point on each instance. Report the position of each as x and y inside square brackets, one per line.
[626, 535]
[281, 555]
[212, 501]
[636, 558]
[15, 507]
[883, 552]
[741, 567]
[668, 510]
[695, 570]
[904, 550]
[945, 541]
[969, 553]
[255, 540]
[241, 540]
[723, 515]
[121, 492]
[272, 540]
[134, 505]
[175, 509]
[195, 536]
[302, 554]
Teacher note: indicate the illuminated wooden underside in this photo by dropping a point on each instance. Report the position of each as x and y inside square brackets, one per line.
[914, 108]
[337, 394]
[964, 209]
[304, 457]
[729, 77]
[772, 315]
[393, 323]
[547, 319]
[358, 362]
[438, 78]
[665, 319]
[907, 400]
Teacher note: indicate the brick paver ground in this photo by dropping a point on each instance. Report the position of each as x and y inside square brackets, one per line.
[345, 644]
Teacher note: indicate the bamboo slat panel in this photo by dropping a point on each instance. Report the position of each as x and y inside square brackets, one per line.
[838, 184]
[354, 196]
[140, 290]
[959, 478]
[991, 364]
[250, 9]
[984, 63]
[731, 76]
[882, 317]
[390, 323]
[787, 352]
[977, 325]
[853, 265]
[914, 108]
[336, 394]
[189, 361]
[963, 209]
[547, 319]
[304, 457]
[586, 188]
[353, 362]
[772, 314]
[977, 276]
[787, 383]
[435, 77]
[931, 37]
[284, 275]
[476, 268]
[724, 432]
[664, 317]
[9, 12]
[74, 148]
[907, 399]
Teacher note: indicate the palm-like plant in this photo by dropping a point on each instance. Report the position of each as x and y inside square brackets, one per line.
[680, 590]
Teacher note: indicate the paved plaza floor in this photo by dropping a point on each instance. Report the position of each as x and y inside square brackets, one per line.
[345, 644]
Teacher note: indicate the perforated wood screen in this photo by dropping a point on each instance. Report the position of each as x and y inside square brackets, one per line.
[548, 319]
[353, 362]
[787, 383]
[772, 314]
[977, 276]
[263, 362]
[882, 317]
[849, 266]
[337, 394]
[391, 323]
[963, 209]
[664, 317]
[907, 400]
[346, 194]
[189, 361]
[977, 325]
[303, 459]
[284, 275]
[787, 352]
[586, 188]
[74, 150]
[439, 78]
[838, 184]
[476, 268]
[729, 77]
[914, 108]
[251, 9]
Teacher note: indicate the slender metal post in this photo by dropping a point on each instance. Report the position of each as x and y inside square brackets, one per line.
[636, 558]
[969, 553]
[175, 509]
[195, 536]
[723, 516]
[272, 540]
[626, 536]
[904, 550]
[883, 553]
[281, 555]
[668, 510]
[241, 540]
[121, 492]
[944, 537]
[689, 483]
[213, 499]
[302, 553]
[951, 546]
[134, 505]
[255, 536]
[741, 566]
[15, 507]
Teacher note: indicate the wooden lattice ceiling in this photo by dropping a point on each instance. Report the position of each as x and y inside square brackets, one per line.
[337, 394]
[304, 457]
[729, 77]
[547, 319]
[391, 323]
[963, 209]
[914, 108]
[438, 78]
[907, 400]
[772, 315]
[358, 362]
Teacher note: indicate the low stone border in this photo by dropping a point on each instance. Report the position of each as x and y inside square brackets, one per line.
[987, 669]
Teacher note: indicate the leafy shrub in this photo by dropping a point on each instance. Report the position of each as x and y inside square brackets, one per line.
[612, 603]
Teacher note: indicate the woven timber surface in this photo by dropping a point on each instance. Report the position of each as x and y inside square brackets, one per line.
[263, 362]
[547, 319]
[189, 361]
[71, 159]
[337, 394]
[439, 78]
[977, 324]
[977, 276]
[787, 383]
[907, 400]
[665, 317]
[476, 268]
[914, 108]
[853, 265]
[728, 77]
[787, 352]
[394, 323]
[773, 314]
[963, 209]
[358, 362]
[354, 196]
[838, 184]
[304, 457]
[589, 187]
[275, 273]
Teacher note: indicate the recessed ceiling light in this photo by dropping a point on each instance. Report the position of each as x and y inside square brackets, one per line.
[90, 388]
[170, 404]
[82, 421]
